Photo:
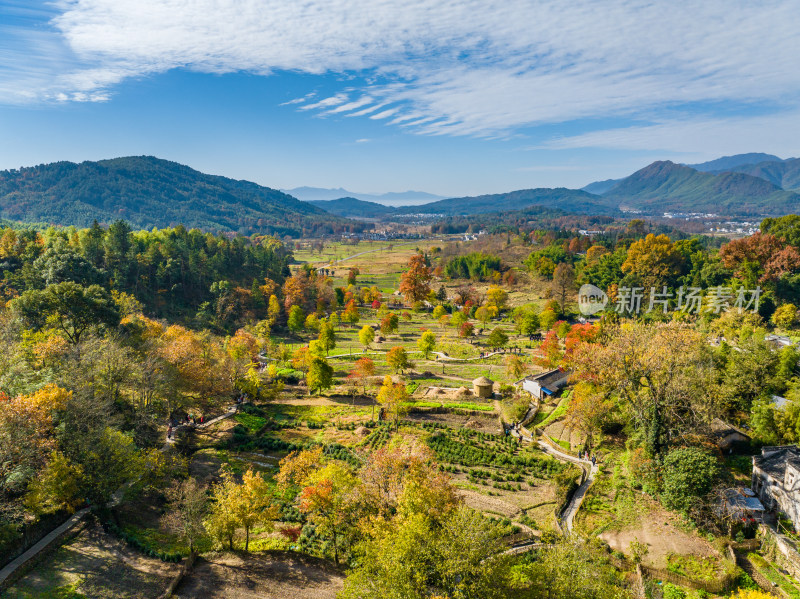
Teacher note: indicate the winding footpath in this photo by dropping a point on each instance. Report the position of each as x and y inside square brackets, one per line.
[577, 497]
[576, 500]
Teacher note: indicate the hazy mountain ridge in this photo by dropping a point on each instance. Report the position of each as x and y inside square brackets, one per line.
[353, 208]
[391, 198]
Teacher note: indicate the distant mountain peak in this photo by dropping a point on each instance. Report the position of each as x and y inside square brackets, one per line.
[737, 160]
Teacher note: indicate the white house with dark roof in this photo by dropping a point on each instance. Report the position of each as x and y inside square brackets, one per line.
[776, 480]
[545, 384]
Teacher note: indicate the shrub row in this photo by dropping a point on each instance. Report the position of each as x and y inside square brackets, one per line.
[456, 452]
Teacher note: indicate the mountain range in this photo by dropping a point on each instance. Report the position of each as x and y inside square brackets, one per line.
[150, 192]
[664, 186]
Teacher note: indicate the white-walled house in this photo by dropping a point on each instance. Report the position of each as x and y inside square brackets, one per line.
[546, 383]
[776, 480]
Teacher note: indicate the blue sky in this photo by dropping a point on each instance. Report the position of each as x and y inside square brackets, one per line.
[453, 97]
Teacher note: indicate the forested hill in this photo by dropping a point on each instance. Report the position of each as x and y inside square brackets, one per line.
[569, 200]
[665, 186]
[149, 192]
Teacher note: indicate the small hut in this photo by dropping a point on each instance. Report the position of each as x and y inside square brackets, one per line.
[483, 387]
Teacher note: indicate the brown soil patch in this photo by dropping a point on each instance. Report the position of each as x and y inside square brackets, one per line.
[260, 575]
[205, 466]
[487, 504]
[100, 566]
[660, 531]
[484, 424]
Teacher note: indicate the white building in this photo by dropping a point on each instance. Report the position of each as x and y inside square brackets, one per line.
[545, 384]
[776, 480]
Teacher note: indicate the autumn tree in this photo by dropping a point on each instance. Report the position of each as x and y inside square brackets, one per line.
[351, 276]
[589, 410]
[458, 553]
[295, 469]
[27, 433]
[397, 359]
[550, 350]
[594, 253]
[390, 324]
[785, 316]
[578, 334]
[415, 281]
[296, 320]
[483, 315]
[392, 396]
[253, 504]
[515, 367]
[327, 336]
[222, 521]
[770, 256]
[189, 505]
[426, 342]
[301, 359]
[324, 501]
[660, 373]
[351, 313]
[57, 487]
[363, 369]
[563, 284]
[366, 336]
[497, 338]
[654, 260]
[273, 310]
[547, 319]
[320, 375]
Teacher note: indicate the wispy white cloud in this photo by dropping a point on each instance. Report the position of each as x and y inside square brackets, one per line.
[453, 67]
[352, 105]
[325, 103]
[712, 137]
[305, 98]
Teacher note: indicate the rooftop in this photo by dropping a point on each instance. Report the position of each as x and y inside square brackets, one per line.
[773, 459]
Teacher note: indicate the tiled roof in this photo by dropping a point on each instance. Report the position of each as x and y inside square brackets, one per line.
[550, 377]
[774, 463]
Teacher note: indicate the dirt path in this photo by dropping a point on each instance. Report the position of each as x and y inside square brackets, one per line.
[661, 532]
[96, 565]
[283, 574]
